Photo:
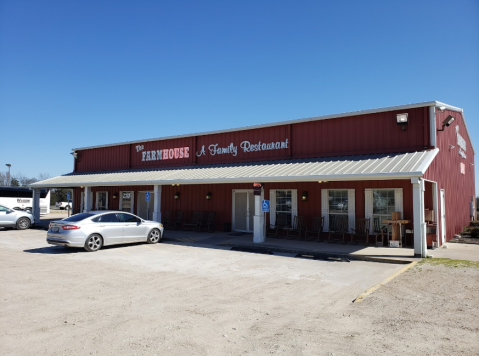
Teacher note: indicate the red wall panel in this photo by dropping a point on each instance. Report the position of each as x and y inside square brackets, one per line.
[446, 171]
[362, 134]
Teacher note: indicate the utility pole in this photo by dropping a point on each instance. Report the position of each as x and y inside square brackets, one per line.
[8, 177]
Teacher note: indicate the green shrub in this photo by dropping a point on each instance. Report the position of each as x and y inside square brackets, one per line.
[474, 231]
[474, 223]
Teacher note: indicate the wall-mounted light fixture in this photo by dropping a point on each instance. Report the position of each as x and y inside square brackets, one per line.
[402, 120]
[208, 196]
[304, 196]
[322, 181]
[447, 121]
[440, 108]
[115, 195]
[451, 147]
[74, 154]
[177, 195]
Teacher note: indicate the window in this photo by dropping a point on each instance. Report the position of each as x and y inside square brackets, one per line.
[383, 204]
[102, 200]
[78, 217]
[128, 218]
[2, 208]
[338, 204]
[284, 204]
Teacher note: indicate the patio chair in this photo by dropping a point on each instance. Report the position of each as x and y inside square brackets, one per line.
[208, 224]
[195, 222]
[297, 229]
[316, 229]
[279, 225]
[381, 232]
[338, 225]
[166, 219]
[178, 221]
[361, 230]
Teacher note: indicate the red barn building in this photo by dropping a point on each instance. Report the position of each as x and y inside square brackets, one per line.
[415, 159]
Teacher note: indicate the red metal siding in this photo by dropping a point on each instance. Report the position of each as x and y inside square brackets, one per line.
[103, 159]
[445, 170]
[372, 133]
[376, 133]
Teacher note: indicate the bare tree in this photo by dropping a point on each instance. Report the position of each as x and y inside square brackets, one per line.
[24, 180]
[3, 179]
[43, 176]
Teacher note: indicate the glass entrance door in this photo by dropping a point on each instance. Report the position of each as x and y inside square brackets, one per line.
[243, 210]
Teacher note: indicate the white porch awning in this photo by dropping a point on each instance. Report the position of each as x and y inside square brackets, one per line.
[341, 168]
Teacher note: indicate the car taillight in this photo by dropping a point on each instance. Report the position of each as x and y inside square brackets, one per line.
[70, 227]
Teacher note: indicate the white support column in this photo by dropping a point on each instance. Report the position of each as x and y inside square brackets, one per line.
[87, 200]
[157, 203]
[420, 247]
[258, 221]
[36, 205]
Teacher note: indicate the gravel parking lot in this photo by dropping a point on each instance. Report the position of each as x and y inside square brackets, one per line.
[175, 299]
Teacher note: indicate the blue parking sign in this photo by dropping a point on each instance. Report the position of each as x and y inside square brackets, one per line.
[265, 206]
[147, 196]
[68, 195]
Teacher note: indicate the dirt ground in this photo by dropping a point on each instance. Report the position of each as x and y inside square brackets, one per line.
[169, 299]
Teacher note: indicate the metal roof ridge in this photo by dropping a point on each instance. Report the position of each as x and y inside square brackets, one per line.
[287, 122]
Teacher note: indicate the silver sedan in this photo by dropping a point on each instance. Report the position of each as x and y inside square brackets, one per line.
[21, 219]
[102, 228]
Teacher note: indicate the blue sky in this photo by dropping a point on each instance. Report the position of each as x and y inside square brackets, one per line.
[82, 73]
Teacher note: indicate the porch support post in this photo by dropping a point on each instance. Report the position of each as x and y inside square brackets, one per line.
[86, 200]
[420, 248]
[157, 203]
[258, 221]
[36, 205]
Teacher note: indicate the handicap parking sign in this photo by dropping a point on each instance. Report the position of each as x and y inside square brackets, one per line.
[147, 196]
[265, 206]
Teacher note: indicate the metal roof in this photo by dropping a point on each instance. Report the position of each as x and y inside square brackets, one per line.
[295, 121]
[342, 168]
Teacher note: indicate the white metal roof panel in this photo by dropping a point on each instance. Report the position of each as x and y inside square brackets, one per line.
[360, 167]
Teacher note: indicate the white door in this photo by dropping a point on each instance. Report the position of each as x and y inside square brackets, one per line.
[126, 201]
[443, 216]
[145, 209]
[243, 210]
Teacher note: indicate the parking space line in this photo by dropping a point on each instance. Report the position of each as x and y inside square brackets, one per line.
[362, 296]
[154, 249]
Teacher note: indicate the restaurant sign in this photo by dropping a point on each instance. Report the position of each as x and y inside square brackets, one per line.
[246, 146]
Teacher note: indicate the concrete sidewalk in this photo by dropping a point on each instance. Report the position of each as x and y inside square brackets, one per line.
[309, 248]
[457, 251]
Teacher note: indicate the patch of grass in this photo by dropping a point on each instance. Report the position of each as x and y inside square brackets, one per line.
[449, 263]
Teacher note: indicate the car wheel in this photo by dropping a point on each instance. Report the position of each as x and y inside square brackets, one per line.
[154, 236]
[93, 243]
[23, 223]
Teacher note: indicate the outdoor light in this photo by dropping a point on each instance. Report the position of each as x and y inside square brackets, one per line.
[441, 108]
[115, 195]
[402, 120]
[74, 154]
[304, 197]
[208, 196]
[448, 121]
[177, 195]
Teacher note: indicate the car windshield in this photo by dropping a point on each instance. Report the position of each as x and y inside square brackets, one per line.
[78, 217]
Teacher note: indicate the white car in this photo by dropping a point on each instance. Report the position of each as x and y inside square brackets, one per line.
[63, 205]
[102, 228]
[21, 219]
